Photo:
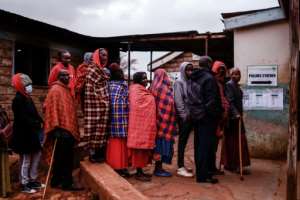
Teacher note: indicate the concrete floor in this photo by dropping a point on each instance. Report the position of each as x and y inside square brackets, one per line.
[266, 182]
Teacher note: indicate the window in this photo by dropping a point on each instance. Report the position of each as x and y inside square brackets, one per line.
[33, 61]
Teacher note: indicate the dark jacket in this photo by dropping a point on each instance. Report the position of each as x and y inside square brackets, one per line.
[204, 101]
[26, 127]
[235, 97]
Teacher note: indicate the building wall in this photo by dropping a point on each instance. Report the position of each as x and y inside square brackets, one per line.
[268, 44]
[7, 92]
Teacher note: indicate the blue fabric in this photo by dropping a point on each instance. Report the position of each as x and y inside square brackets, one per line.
[165, 149]
[119, 108]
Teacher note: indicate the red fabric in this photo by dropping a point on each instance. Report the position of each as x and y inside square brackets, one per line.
[60, 110]
[96, 58]
[55, 71]
[216, 66]
[81, 73]
[142, 118]
[166, 116]
[117, 153]
[18, 84]
[140, 158]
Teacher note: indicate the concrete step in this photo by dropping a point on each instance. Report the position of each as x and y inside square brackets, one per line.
[104, 181]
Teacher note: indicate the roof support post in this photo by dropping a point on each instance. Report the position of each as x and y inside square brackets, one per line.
[129, 62]
[291, 187]
[206, 46]
[151, 58]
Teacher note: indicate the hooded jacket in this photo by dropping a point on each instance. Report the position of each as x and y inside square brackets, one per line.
[180, 93]
[204, 102]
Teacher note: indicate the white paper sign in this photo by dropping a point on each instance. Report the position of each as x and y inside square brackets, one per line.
[263, 99]
[262, 75]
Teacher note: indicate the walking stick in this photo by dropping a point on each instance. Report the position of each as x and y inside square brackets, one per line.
[221, 148]
[240, 149]
[49, 170]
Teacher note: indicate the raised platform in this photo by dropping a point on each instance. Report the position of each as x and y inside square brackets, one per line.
[104, 181]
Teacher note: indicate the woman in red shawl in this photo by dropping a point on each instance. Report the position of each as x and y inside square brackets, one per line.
[96, 107]
[64, 63]
[166, 121]
[141, 126]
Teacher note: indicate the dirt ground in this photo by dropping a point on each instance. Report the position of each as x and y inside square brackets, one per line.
[267, 181]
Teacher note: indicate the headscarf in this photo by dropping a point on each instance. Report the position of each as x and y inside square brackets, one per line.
[217, 65]
[87, 57]
[19, 81]
[160, 78]
[96, 57]
[183, 79]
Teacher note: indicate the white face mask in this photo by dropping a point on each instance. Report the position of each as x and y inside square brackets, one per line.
[28, 89]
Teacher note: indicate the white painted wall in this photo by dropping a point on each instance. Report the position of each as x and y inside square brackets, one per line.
[266, 44]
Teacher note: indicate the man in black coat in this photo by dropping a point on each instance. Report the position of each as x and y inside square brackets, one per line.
[205, 109]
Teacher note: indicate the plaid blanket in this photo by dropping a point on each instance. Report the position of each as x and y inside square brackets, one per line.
[119, 108]
[166, 115]
[96, 108]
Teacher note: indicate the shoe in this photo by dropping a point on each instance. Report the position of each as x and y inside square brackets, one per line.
[184, 172]
[95, 159]
[209, 180]
[142, 177]
[217, 172]
[162, 173]
[36, 185]
[72, 187]
[27, 189]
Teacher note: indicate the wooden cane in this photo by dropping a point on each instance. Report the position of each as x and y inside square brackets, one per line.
[50, 168]
[240, 149]
[221, 148]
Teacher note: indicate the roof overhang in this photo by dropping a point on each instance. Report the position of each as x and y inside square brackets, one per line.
[252, 18]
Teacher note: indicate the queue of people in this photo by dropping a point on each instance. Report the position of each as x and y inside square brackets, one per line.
[125, 126]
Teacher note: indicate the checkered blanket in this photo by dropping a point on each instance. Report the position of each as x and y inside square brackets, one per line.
[166, 115]
[96, 108]
[119, 108]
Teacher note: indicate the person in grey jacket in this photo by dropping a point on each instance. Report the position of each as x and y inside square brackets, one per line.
[184, 122]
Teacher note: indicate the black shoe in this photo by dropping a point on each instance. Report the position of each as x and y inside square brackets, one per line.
[71, 187]
[96, 159]
[217, 172]
[26, 189]
[209, 180]
[55, 184]
[36, 185]
[142, 177]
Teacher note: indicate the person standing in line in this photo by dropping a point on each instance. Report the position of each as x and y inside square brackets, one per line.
[205, 108]
[61, 131]
[5, 133]
[231, 153]
[27, 128]
[64, 58]
[96, 107]
[142, 125]
[117, 151]
[184, 121]
[166, 121]
[219, 72]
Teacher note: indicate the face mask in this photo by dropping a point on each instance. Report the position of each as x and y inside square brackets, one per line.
[28, 89]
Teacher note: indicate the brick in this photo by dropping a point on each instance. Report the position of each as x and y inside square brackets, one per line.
[6, 62]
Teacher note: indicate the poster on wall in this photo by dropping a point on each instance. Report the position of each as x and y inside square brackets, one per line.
[262, 75]
[263, 99]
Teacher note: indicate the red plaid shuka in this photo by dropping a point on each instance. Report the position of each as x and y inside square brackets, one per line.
[166, 116]
[81, 73]
[96, 108]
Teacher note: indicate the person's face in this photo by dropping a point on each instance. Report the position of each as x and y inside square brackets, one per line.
[189, 70]
[66, 58]
[103, 57]
[64, 77]
[144, 80]
[236, 76]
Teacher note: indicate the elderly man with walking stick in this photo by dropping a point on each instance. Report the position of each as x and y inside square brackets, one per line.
[61, 131]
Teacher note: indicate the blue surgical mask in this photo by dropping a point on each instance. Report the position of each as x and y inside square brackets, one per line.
[28, 89]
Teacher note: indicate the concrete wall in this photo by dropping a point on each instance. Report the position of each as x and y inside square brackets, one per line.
[268, 44]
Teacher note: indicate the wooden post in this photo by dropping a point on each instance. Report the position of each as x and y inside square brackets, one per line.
[151, 57]
[294, 97]
[206, 46]
[129, 63]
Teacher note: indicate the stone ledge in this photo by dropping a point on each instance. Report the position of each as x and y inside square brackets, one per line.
[103, 180]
